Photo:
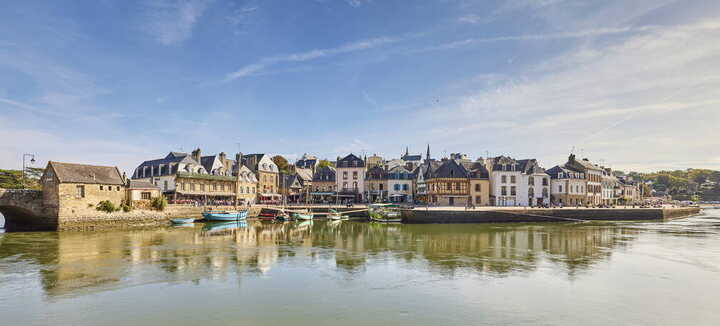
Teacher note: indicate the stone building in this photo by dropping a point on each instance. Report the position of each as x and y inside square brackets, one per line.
[247, 183]
[567, 187]
[375, 160]
[291, 188]
[351, 178]
[193, 178]
[609, 188]
[593, 175]
[478, 183]
[140, 193]
[376, 184]
[324, 185]
[267, 175]
[76, 189]
[534, 187]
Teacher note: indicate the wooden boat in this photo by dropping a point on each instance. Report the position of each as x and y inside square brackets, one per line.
[189, 220]
[336, 216]
[384, 213]
[225, 215]
[303, 216]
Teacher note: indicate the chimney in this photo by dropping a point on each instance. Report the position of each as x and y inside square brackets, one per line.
[196, 155]
[223, 160]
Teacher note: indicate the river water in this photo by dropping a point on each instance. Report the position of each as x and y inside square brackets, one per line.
[354, 273]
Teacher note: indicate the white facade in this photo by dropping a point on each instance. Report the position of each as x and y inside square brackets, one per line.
[351, 179]
[504, 188]
[534, 189]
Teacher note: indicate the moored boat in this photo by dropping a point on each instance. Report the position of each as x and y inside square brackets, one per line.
[225, 215]
[384, 213]
[336, 216]
[189, 220]
[303, 216]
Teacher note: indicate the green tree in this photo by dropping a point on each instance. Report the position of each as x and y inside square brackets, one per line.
[282, 164]
[324, 163]
[12, 179]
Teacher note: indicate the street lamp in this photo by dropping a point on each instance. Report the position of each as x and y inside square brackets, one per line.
[32, 161]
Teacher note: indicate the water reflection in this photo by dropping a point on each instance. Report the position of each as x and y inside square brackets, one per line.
[75, 263]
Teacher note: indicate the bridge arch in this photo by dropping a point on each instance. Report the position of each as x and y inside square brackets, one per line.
[23, 210]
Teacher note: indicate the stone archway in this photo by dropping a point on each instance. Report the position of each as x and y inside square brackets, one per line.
[19, 218]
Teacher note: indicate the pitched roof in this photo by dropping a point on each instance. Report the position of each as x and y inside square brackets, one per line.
[304, 174]
[476, 170]
[450, 169]
[326, 173]
[530, 166]
[350, 161]
[136, 184]
[83, 173]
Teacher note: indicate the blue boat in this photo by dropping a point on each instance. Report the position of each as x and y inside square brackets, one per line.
[225, 215]
[219, 226]
[183, 220]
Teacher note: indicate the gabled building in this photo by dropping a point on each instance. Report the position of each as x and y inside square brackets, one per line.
[448, 185]
[324, 185]
[267, 175]
[505, 175]
[307, 161]
[76, 189]
[567, 187]
[534, 187]
[399, 185]
[593, 175]
[351, 178]
[421, 174]
[478, 183]
[291, 188]
[376, 184]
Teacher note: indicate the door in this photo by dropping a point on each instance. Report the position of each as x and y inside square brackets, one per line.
[452, 201]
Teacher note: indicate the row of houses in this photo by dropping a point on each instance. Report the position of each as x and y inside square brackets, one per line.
[450, 181]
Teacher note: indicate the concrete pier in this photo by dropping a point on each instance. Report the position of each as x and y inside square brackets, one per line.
[520, 215]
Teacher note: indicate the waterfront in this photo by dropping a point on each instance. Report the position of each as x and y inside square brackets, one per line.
[640, 273]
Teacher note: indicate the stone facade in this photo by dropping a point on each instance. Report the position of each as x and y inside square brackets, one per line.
[479, 191]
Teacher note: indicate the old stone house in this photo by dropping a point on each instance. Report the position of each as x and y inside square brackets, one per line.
[76, 189]
[324, 185]
[567, 187]
[478, 183]
[350, 177]
[593, 176]
[142, 192]
[448, 184]
[376, 184]
[267, 174]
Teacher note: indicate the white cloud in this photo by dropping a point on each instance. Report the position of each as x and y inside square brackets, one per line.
[172, 21]
[263, 63]
[620, 101]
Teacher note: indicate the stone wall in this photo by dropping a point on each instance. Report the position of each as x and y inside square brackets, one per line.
[72, 206]
[544, 215]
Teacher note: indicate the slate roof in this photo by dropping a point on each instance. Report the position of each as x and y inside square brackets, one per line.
[503, 163]
[136, 184]
[90, 174]
[350, 161]
[555, 170]
[412, 157]
[580, 165]
[375, 173]
[304, 174]
[324, 174]
[172, 157]
[530, 166]
[476, 170]
[399, 173]
[450, 169]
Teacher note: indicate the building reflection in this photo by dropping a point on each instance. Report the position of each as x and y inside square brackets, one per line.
[76, 263]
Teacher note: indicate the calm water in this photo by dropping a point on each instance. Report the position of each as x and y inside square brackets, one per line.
[354, 273]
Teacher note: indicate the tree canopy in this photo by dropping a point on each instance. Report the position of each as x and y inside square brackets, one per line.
[12, 179]
[282, 164]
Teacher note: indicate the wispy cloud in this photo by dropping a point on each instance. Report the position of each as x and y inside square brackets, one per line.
[598, 97]
[172, 21]
[266, 62]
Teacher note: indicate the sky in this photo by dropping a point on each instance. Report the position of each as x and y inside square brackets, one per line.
[634, 85]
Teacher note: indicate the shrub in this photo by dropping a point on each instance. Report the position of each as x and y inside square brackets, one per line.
[107, 206]
[159, 203]
[126, 208]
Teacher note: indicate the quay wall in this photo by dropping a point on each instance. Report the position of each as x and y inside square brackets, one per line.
[545, 215]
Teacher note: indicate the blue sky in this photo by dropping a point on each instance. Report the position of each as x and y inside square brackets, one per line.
[633, 84]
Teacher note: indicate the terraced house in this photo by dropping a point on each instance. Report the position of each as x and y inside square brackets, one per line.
[567, 187]
[267, 174]
[593, 176]
[351, 177]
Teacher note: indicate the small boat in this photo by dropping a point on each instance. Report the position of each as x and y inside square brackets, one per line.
[219, 226]
[336, 216]
[189, 220]
[303, 216]
[225, 215]
[384, 213]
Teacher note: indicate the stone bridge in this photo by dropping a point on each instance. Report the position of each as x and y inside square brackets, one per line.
[24, 209]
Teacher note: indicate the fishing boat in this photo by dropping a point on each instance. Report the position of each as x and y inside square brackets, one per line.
[336, 216]
[189, 220]
[384, 213]
[303, 216]
[225, 215]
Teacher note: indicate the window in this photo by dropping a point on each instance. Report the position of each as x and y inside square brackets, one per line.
[503, 190]
[118, 188]
[344, 185]
[165, 185]
[545, 182]
[101, 188]
[396, 187]
[202, 187]
[381, 187]
[560, 188]
[145, 195]
[512, 179]
[222, 187]
[478, 200]
[344, 175]
[531, 192]
[405, 187]
[192, 187]
[477, 187]
[355, 175]
[503, 179]
[457, 186]
[355, 185]
[80, 191]
[448, 186]
[531, 181]
[512, 191]
[214, 187]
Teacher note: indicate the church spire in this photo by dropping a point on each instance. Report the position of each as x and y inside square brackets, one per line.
[427, 155]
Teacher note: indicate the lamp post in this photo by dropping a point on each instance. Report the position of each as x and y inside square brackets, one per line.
[32, 161]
